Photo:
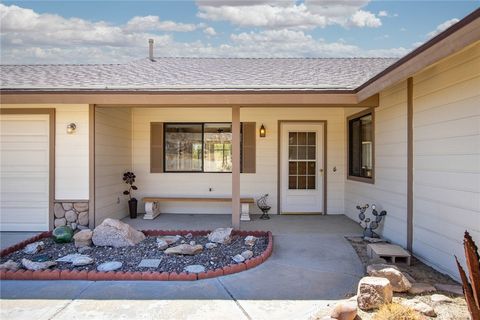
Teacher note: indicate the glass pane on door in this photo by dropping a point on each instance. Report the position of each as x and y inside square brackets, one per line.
[302, 156]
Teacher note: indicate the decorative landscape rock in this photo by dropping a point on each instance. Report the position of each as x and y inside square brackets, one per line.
[398, 281]
[188, 236]
[83, 218]
[63, 234]
[73, 225]
[10, 265]
[71, 216]
[149, 263]
[210, 245]
[59, 222]
[421, 288]
[373, 292]
[440, 298]
[114, 233]
[70, 257]
[83, 238]
[58, 210]
[82, 261]
[34, 266]
[40, 258]
[250, 240]
[195, 268]
[109, 266]
[420, 306]
[170, 239]
[192, 243]
[80, 206]
[162, 244]
[33, 248]
[238, 258]
[247, 254]
[220, 235]
[344, 310]
[185, 249]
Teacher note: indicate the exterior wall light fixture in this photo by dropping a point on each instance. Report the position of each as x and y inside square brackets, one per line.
[263, 131]
[71, 128]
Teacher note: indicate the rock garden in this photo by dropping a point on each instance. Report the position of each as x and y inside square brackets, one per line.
[398, 291]
[116, 251]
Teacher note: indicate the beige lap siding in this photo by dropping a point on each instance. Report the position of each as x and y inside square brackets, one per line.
[254, 184]
[447, 158]
[390, 189]
[113, 156]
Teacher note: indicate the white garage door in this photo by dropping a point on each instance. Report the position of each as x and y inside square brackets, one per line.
[24, 172]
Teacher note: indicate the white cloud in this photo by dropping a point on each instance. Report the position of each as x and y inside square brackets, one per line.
[30, 37]
[443, 26]
[148, 23]
[289, 14]
[210, 31]
[383, 13]
[365, 19]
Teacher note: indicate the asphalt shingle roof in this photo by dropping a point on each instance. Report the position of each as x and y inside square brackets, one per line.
[169, 74]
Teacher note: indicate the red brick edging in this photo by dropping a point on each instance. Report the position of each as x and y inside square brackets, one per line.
[93, 275]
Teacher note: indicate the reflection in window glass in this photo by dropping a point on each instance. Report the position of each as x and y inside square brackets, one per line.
[361, 147]
[218, 147]
[183, 147]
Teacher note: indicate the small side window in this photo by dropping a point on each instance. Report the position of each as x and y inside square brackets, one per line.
[361, 147]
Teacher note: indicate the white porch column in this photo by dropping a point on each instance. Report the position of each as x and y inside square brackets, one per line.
[236, 167]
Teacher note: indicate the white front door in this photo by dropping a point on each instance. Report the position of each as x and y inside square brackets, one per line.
[24, 172]
[301, 166]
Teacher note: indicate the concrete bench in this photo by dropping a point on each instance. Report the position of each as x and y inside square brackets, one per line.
[152, 204]
[390, 252]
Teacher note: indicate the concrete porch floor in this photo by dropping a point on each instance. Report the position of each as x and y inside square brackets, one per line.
[311, 265]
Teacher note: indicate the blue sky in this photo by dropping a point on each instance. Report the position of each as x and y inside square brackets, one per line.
[117, 31]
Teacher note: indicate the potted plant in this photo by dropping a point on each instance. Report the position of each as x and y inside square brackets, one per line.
[129, 178]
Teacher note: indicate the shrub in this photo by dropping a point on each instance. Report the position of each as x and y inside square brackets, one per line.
[395, 311]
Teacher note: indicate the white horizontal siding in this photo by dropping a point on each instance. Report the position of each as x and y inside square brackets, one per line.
[390, 189]
[113, 157]
[447, 158]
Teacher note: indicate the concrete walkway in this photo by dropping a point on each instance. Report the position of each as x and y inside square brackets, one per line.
[311, 265]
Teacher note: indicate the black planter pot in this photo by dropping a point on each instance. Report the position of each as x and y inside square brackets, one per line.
[132, 206]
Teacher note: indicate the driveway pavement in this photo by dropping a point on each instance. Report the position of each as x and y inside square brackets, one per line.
[305, 273]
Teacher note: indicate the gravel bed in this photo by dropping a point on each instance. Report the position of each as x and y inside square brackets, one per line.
[211, 259]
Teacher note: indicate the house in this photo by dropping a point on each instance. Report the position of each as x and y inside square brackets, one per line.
[403, 134]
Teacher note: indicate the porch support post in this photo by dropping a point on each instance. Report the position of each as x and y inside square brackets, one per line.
[236, 167]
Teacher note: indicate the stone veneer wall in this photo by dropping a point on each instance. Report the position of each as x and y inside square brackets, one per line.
[71, 213]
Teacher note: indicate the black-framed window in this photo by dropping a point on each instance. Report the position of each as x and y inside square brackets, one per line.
[361, 147]
[198, 147]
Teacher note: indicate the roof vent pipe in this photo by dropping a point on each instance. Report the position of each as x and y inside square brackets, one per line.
[150, 49]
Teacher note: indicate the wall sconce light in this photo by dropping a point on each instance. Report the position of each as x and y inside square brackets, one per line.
[71, 128]
[263, 131]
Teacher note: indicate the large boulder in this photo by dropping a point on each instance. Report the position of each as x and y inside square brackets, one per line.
[114, 233]
[220, 235]
[373, 292]
[398, 281]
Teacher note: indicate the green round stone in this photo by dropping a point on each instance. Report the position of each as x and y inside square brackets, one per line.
[62, 234]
